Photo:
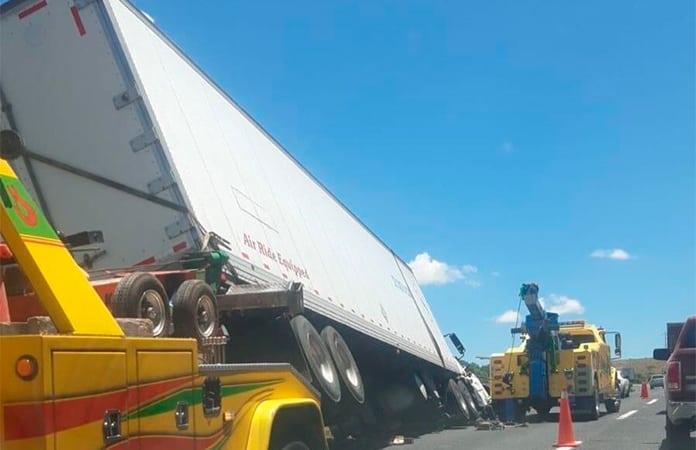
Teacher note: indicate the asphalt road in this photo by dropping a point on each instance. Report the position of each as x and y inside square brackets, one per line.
[638, 425]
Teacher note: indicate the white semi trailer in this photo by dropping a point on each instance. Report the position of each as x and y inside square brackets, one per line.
[126, 135]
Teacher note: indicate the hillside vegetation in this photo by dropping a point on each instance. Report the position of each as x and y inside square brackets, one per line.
[644, 367]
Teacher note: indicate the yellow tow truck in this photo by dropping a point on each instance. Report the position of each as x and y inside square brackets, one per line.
[554, 356]
[89, 386]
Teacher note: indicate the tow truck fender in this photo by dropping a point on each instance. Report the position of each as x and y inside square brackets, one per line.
[272, 415]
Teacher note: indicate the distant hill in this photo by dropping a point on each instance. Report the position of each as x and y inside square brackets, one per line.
[644, 367]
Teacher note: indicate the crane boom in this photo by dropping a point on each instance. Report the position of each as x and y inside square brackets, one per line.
[541, 328]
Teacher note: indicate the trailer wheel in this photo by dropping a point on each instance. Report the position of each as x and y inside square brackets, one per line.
[430, 385]
[420, 386]
[141, 295]
[317, 356]
[468, 399]
[345, 363]
[195, 311]
[455, 400]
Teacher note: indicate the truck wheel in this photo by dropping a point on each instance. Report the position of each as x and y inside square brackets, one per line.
[295, 445]
[594, 406]
[345, 363]
[455, 401]
[542, 410]
[317, 357]
[676, 433]
[468, 399]
[613, 405]
[141, 295]
[195, 310]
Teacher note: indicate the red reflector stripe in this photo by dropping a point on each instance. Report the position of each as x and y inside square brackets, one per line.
[78, 20]
[179, 247]
[145, 262]
[32, 9]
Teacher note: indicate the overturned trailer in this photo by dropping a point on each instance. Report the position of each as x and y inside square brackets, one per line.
[124, 134]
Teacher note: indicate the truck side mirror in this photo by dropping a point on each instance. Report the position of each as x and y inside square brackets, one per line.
[661, 354]
[457, 343]
[617, 344]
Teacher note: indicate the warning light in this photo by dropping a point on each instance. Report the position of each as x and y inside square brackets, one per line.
[26, 367]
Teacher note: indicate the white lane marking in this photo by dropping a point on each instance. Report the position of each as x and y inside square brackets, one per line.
[628, 414]
[651, 401]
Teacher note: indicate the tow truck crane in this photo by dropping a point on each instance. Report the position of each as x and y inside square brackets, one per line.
[89, 385]
[535, 359]
[552, 357]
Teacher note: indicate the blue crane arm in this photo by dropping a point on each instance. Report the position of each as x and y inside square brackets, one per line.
[530, 295]
[541, 328]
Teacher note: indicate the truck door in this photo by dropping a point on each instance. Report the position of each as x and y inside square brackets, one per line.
[90, 399]
[165, 412]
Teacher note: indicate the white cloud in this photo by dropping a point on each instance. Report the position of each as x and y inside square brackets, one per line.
[468, 268]
[429, 270]
[508, 316]
[611, 253]
[562, 304]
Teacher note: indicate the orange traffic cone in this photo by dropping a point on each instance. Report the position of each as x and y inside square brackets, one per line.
[566, 436]
[644, 391]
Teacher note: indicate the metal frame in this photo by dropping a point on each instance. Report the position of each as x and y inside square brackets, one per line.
[29, 155]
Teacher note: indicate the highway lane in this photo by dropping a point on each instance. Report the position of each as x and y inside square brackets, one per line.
[638, 425]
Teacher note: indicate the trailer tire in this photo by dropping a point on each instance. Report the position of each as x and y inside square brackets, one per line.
[141, 295]
[455, 401]
[430, 385]
[344, 362]
[195, 310]
[469, 400]
[420, 386]
[317, 356]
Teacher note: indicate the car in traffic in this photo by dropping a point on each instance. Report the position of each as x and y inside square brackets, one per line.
[680, 383]
[623, 384]
[657, 380]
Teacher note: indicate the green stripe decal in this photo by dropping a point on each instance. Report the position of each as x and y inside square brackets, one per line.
[193, 397]
[222, 442]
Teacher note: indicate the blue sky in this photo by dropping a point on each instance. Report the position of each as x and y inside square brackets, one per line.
[507, 140]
